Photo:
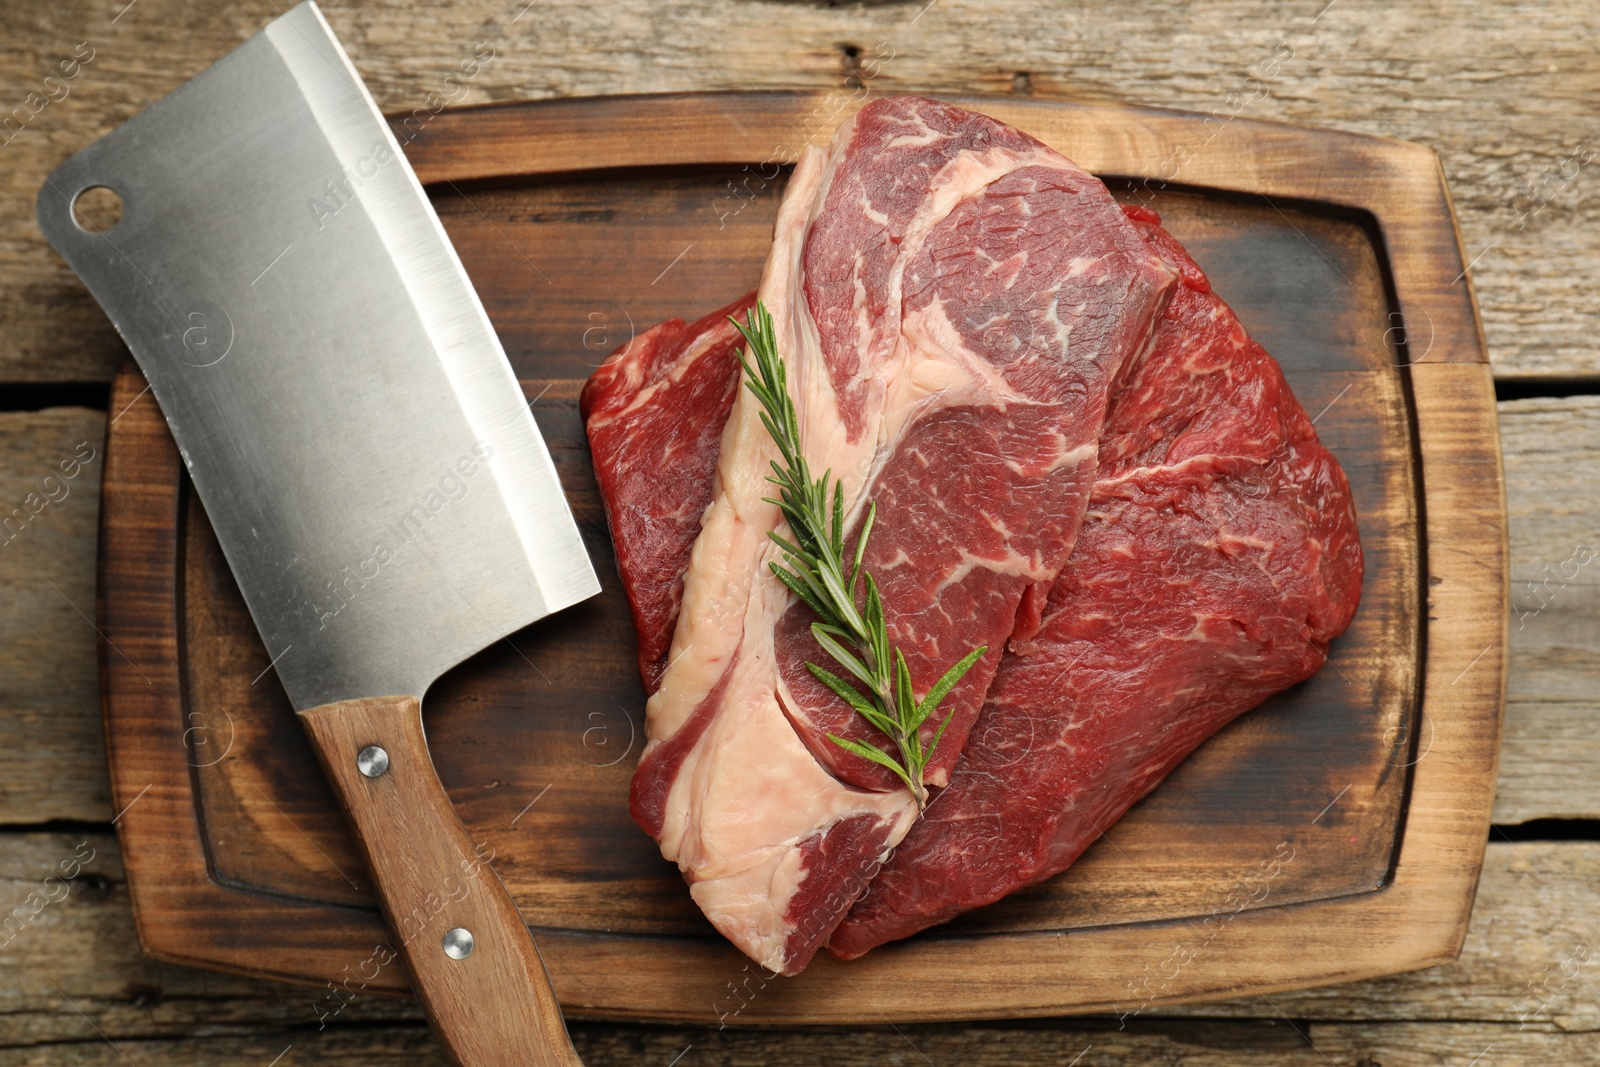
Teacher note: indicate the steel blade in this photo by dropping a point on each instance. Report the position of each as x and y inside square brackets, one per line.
[340, 399]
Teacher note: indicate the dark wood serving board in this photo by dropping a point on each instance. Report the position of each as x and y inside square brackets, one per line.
[1334, 833]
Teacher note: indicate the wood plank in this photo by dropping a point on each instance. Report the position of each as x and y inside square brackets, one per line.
[52, 755]
[52, 763]
[1270, 1043]
[51, 749]
[1551, 748]
[1499, 100]
[85, 943]
[51, 758]
[1530, 961]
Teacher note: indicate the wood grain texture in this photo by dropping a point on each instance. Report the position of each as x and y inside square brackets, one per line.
[52, 761]
[1267, 1043]
[489, 1002]
[1321, 265]
[1499, 93]
[1551, 748]
[1529, 962]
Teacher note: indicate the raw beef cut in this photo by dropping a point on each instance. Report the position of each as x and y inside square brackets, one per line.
[1164, 625]
[973, 294]
[1218, 560]
[654, 412]
[953, 300]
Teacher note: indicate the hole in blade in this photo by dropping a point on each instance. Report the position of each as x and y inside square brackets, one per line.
[96, 209]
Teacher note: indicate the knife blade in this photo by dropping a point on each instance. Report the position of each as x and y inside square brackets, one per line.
[374, 476]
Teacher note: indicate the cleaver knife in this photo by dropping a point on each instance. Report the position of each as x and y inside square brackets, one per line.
[361, 446]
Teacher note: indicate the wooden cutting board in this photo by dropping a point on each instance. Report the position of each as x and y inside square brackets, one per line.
[1335, 833]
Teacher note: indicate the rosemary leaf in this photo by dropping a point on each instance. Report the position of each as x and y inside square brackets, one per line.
[844, 657]
[799, 588]
[855, 636]
[876, 755]
[942, 687]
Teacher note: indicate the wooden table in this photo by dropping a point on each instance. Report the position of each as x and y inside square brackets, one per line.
[1504, 93]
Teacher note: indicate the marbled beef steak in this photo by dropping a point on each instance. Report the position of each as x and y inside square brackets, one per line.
[1218, 560]
[655, 410]
[953, 300]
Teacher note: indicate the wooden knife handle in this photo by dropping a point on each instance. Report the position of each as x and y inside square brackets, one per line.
[493, 1006]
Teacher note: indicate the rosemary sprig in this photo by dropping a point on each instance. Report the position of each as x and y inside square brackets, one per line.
[815, 570]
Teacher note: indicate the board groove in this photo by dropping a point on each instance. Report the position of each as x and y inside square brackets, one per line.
[240, 861]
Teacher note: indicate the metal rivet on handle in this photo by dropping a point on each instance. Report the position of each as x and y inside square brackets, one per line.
[372, 761]
[458, 943]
